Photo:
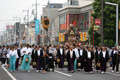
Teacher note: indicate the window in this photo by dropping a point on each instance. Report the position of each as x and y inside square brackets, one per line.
[81, 21]
[84, 21]
[63, 22]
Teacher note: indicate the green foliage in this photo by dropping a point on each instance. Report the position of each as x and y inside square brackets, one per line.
[96, 37]
[109, 26]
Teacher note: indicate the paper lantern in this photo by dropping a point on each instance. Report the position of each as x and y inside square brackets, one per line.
[45, 23]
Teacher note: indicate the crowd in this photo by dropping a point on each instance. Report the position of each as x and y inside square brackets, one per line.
[72, 57]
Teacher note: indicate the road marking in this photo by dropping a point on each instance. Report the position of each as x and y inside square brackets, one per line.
[63, 73]
[113, 74]
[13, 78]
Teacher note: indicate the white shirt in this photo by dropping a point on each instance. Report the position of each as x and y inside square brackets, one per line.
[76, 52]
[89, 54]
[22, 51]
[38, 52]
[104, 53]
[110, 51]
[28, 50]
[61, 51]
[34, 51]
[115, 52]
[99, 52]
[15, 50]
[12, 53]
[71, 53]
[81, 52]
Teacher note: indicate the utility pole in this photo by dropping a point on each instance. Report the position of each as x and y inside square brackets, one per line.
[49, 19]
[27, 21]
[102, 26]
[36, 5]
[19, 19]
[36, 9]
[48, 8]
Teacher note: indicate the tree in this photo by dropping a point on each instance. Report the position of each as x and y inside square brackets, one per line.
[109, 29]
[96, 36]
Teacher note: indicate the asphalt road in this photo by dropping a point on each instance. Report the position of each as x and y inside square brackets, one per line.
[57, 75]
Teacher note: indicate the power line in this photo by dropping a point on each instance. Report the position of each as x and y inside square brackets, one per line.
[6, 20]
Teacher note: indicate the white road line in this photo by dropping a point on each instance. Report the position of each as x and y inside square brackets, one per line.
[113, 74]
[63, 73]
[13, 78]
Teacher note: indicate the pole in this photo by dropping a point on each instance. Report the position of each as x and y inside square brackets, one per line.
[93, 34]
[116, 20]
[117, 25]
[36, 9]
[49, 18]
[102, 38]
[27, 21]
[19, 31]
[30, 39]
[48, 8]
[47, 37]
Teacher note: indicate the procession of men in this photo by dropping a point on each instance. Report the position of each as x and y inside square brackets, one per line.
[73, 57]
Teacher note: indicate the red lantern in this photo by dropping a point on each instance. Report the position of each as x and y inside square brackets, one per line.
[74, 23]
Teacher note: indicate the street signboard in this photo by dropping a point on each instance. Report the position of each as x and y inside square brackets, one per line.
[97, 22]
[79, 43]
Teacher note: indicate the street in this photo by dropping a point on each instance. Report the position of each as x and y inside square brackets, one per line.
[58, 74]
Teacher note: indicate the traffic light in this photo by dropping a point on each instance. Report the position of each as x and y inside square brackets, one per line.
[45, 23]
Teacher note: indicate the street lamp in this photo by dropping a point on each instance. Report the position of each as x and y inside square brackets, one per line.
[114, 4]
[30, 38]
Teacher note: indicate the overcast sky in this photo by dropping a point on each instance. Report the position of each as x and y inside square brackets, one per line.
[13, 8]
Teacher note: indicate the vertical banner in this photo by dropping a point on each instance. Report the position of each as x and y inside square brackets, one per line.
[83, 36]
[36, 27]
[61, 37]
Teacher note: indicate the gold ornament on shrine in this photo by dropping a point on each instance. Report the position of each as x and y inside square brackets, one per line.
[71, 32]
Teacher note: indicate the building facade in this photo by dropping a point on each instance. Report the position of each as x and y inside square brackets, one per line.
[77, 15]
[52, 14]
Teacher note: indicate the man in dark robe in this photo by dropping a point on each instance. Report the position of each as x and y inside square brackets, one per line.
[80, 60]
[104, 57]
[33, 56]
[115, 60]
[97, 61]
[60, 55]
[71, 58]
[88, 58]
[39, 55]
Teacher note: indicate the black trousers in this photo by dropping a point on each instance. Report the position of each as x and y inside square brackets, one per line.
[115, 64]
[3, 60]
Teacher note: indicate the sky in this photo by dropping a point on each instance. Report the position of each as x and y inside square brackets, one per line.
[9, 9]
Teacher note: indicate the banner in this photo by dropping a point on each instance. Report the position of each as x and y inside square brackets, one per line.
[61, 37]
[36, 27]
[83, 36]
